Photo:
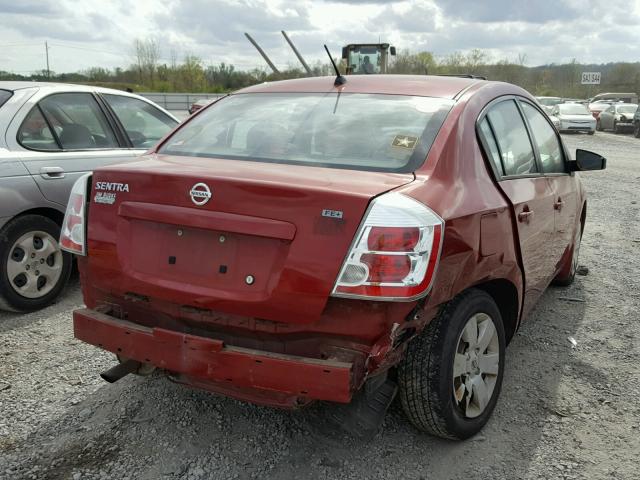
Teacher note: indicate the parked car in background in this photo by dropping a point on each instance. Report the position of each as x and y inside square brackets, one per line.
[573, 117]
[636, 123]
[199, 104]
[281, 247]
[548, 103]
[50, 135]
[617, 117]
[597, 107]
[616, 97]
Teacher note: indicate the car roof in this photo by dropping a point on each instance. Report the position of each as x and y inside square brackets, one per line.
[13, 86]
[418, 85]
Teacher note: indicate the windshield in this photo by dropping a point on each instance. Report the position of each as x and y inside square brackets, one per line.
[364, 60]
[573, 109]
[356, 131]
[627, 108]
[4, 96]
[549, 101]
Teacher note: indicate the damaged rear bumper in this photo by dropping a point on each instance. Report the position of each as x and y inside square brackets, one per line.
[251, 375]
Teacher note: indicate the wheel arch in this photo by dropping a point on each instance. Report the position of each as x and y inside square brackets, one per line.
[505, 294]
[51, 213]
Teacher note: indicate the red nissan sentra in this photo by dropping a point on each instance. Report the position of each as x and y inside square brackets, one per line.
[305, 240]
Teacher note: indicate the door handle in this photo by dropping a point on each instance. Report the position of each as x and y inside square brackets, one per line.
[558, 205]
[50, 173]
[525, 215]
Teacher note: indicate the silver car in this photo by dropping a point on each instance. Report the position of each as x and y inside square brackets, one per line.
[573, 117]
[617, 117]
[51, 134]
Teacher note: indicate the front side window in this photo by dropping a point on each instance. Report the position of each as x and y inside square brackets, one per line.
[144, 123]
[512, 137]
[78, 121]
[546, 140]
[356, 131]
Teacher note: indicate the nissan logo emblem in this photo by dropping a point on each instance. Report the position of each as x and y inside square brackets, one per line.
[200, 193]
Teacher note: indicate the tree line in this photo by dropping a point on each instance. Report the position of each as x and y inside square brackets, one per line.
[190, 73]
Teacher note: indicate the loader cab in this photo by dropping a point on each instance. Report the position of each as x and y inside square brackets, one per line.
[370, 58]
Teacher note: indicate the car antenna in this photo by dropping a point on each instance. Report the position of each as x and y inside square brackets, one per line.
[340, 80]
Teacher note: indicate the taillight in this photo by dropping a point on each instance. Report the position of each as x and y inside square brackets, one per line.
[72, 236]
[395, 253]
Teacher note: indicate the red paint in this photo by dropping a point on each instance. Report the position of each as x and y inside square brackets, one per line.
[269, 216]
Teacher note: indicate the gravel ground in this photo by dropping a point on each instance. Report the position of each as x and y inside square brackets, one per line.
[565, 411]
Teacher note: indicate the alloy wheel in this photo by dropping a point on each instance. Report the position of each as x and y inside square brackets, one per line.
[34, 264]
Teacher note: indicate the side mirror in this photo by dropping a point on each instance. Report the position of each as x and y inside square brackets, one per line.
[586, 160]
[392, 51]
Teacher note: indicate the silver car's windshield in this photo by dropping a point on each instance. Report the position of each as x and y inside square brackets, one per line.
[356, 131]
[573, 109]
[626, 108]
[4, 96]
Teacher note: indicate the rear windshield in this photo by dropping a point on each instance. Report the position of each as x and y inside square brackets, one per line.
[573, 109]
[356, 131]
[4, 96]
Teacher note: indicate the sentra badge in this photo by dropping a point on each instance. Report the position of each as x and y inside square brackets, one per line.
[200, 193]
[112, 186]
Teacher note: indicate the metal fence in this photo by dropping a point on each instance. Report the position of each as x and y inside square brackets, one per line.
[177, 101]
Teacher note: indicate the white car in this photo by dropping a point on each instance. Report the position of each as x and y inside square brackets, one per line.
[573, 117]
[50, 135]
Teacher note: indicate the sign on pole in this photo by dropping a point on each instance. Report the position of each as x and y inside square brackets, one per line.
[590, 78]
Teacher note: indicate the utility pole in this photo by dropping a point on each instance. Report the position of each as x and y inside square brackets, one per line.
[46, 49]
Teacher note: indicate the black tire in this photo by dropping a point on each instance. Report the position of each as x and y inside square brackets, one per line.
[10, 299]
[598, 125]
[636, 129]
[565, 281]
[425, 375]
[616, 129]
[592, 132]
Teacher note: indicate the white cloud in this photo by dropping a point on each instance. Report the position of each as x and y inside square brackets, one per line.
[102, 32]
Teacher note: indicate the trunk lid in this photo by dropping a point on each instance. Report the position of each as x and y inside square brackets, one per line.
[268, 243]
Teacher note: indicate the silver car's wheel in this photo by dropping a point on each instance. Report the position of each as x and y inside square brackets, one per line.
[476, 365]
[34, 264]
[33, 270]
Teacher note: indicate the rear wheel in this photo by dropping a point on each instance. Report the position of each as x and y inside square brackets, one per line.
[616, 128]
[33, 269]
[568, 274]
[451, 376]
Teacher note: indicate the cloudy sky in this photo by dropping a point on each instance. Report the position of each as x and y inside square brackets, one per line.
[102, 32]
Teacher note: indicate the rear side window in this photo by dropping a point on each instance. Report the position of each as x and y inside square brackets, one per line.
[546, 140]
[492, 147]
[78, 121]
[35, 133]
[4, 96]
[144, 123]
[513, 140]
[355, 131]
